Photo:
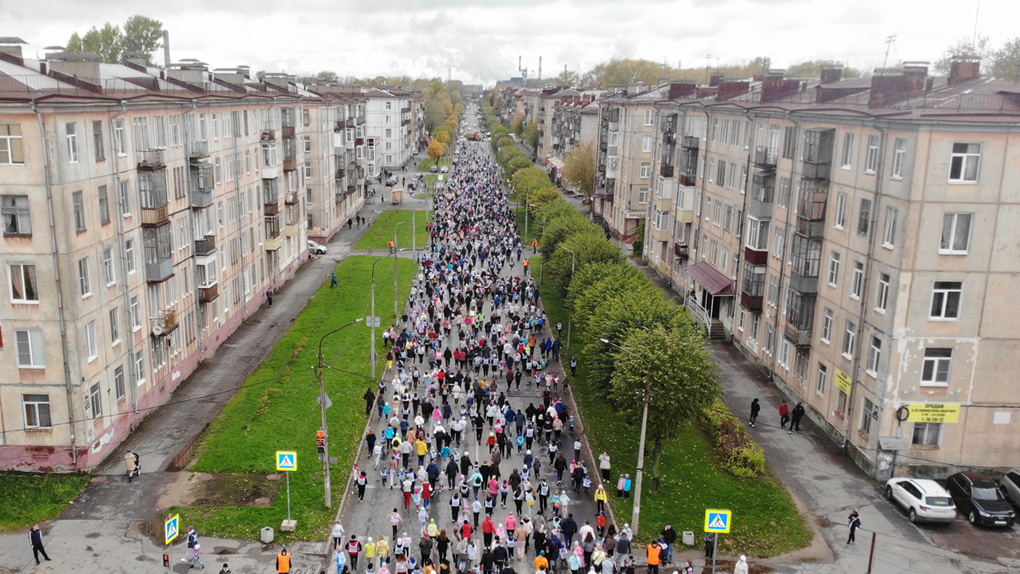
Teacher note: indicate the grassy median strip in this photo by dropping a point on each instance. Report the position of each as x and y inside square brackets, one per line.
[277, 410]
[765, 519]
[31, 498]
[381, 233]
[427, 163]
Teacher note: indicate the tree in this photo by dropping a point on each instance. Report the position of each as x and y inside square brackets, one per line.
[588, 246]
[567, 78]
[436, 149]
[518, 162]
[760, 64]
[105, 42]
[674, 363]
[1006, 61]
[963, 47]
[531, 135]
[142, 35]
[580, 167]
[625, 71]
[442, 136]
[327, 75]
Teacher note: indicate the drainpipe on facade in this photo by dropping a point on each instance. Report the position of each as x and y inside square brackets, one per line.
[701, 205]
[60, 298]
[748, 190]
[186, 138]
[681, 129]
[786, 244]
[868, 262]
[121, 236]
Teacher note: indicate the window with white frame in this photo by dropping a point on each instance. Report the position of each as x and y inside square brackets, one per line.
[965, 163]
[841, 400]
[874, 355]
[104, 205]
[742, 319]
[857, 280]
[95, 401]
[37, 411]
[867, 412]
[938, 363]
[31, 349]
[757, 234]
[899, 156]
[135, 314]
[717, 214]
[114, 325]
[108, 269]
[16, 214]
[801, 362]
[834, 262]
[849, 338]
[822, 379]
[728, 219]
[84, 282]
[646, 170]
[646, 144]
[840, 220]
[78, 205]
[945, 300]
[769, 342]
[882, 293]
[139, 367]
[12, 150]
[119, 140]
[91, 345]
[71, 129]
[871, 161]
[955, 239]
[118, 382]
[827, 318]
[308, 170]
[848, 150]
[785, 192]
[643, 194]
[779, 243]
[129, 255]
[783, 358]
[24, 285]
[926, 434]
[864, 217]
[649, 117]
[892, 216]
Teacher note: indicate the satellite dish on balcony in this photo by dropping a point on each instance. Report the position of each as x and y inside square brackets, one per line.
[157, 330]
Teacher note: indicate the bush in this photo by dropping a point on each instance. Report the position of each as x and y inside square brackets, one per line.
[738, 453]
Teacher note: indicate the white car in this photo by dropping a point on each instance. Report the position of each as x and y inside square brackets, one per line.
[316, 248]
[924, 500]
[445, 169]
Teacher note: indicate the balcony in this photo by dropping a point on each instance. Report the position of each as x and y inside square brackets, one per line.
[274, 243]
[690, 142]
[687, 180]
[209, 293]
[680, 250]
[201, 188]
[750, 302]
[289, 164]
[818, 145]
[755, 256]
[197, 150]
[270, 172]
[359, 141]
[271, 208]
[765, 157]
[291, 198]
[168, 321]
[811, 209]
[155, 216]
[762, 191]
[816, 171]
[292, 230]
[151, 159]
[669, 138]
[805, 257]
[340, 126]
[603, 144]
[205, 245]
[800, 317]
[159, 270]
[288, 132]
[268, 135]
[666, 171]
[798, 336]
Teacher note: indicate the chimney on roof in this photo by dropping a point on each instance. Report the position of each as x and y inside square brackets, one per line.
[84, 66]
[775, 87]
[963, 68]
[831, 74]
[189, 71]
[11, 45]
[715, 78]
[731, 89]
[890, 86]
[758, 76]
[678, 90]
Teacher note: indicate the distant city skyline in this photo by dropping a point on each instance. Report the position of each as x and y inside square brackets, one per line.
[478, 43]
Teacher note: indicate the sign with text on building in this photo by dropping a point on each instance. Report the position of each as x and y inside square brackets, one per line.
[718, 520]
[843, 382]
[933, 413]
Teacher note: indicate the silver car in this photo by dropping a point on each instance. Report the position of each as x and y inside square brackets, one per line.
[924, 500]
[1010, 486]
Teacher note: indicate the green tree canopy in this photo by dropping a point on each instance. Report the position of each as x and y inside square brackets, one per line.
[588, 246]
[516, 163]
[105, 42]
[580, 167]
[141, 35]
[531, 135]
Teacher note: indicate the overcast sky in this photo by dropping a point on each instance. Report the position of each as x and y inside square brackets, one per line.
[480, 40]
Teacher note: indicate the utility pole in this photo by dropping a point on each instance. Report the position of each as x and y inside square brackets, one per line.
[396, 296]
[888, 44]
[636, 516]
[322, 412]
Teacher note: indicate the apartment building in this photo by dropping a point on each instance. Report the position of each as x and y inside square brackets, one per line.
[626, 152]
[388, 129]
[856, 238]
[146, 215]
[575, 121]
[547, 103]
[511, 103]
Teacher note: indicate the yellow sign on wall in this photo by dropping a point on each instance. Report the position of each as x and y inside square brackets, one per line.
[933, 413]
[843, 381]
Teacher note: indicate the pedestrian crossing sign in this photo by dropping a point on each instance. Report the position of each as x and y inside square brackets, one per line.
[171, 528]
[717, 521]
[286, 460]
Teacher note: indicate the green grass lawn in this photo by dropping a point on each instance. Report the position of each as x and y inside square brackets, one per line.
[381, 233]
[277, 409]
[765, 519]
[31, 498]
[428, 162]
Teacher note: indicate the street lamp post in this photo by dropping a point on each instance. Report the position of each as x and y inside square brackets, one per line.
[636, 516]
[570, 318]
[322, 412]
[396, 296]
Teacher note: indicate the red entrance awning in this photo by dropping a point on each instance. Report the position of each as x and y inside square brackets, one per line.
[711, 279]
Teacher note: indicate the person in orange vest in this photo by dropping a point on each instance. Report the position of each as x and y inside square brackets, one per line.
[534, 246]
[541, 562]
[283, 562]
[525, 266]
[654, 553]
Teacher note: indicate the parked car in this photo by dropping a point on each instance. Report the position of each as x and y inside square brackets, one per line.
[392, 181]
[434, 168]
[1010, 486]
[445, 169]
[924, 500]
[316, 248]
[980, 499]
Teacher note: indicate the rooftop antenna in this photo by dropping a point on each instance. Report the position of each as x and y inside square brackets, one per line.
[888, 44]
[708, 62]
[977, 11]
[540, 68]
[166, 49]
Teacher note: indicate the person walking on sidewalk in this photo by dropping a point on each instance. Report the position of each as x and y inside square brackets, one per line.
[283, 562]
[798, 413]
[853, 522]
[192, 542]
[784, 415]
[605, 465]
[35, 537]
[741, 566]
[755, 409]
[333, 281]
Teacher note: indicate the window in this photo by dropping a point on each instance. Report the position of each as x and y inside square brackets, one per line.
[743, 179]
[937, 364]
[864, 217]
[118, 382]
[71, 129]
[743, 318]
[95, 399]
[646, 144]
[108, 267]
[779, 243]
[899, 155]
[134, 313]
[307, 144]
[874, 355]
[840, 220]
[892, 216]
[37, 411]
[871, 161]
[720, 174]
[848, 339]
[717, 214]
[841, 398]
[119, 143]
[11, 149]
[79, 211]
[866, 414]
[834, 268]
[16, 215]
[123, 193]
[646, 170]
[31, 349]
[104, 206]
[965, 163]
[84, 283]
[114, 326]
[848, 150]
[757, 234]
[857, 281]
[24, 286]
[643, 195]
[927, 434]
[823, 374]
[140, 368]
[728, 220]
[945, 300]
[784, 353]
[129, 255]
[882, 293]
[308, 170]
[827, 326]
[91, 345]
[649, 117]
[955, 233]
[789, 141]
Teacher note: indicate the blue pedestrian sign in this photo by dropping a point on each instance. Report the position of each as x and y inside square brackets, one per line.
[286, 460]
[171, 528]
[717, 521]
